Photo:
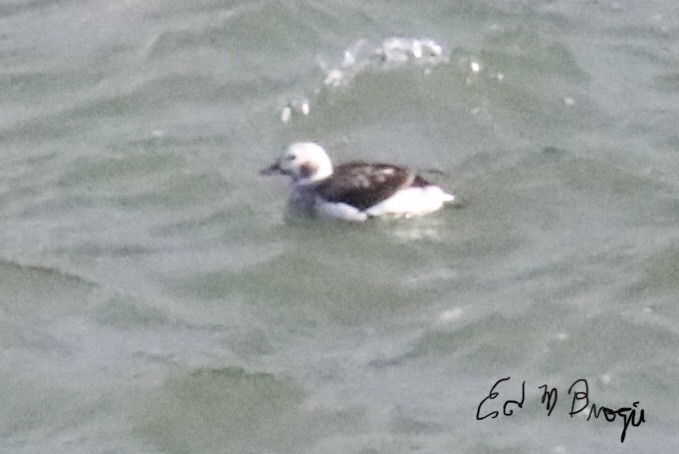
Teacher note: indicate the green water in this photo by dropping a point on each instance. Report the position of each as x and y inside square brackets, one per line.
[155, 298]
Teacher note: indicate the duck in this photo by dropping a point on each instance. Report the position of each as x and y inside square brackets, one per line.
[354, 191]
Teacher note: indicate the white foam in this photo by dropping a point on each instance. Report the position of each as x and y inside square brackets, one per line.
[450, 315]
[363, 55]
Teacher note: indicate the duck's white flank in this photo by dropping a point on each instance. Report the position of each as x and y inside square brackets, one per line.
[355, 191]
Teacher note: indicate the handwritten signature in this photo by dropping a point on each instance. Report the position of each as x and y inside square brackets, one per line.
[580, 402]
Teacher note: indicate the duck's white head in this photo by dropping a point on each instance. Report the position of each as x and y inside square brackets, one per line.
[305, 162]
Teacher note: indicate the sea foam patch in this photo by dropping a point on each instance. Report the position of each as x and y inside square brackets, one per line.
[394, 52]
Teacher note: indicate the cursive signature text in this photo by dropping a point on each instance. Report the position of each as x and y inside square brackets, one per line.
[580, 402]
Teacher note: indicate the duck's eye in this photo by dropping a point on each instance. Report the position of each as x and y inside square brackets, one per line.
[291, 157]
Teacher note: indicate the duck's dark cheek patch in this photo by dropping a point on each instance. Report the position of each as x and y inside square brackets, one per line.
[307, 169]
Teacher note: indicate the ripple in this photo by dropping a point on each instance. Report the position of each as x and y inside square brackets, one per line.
[231, 409]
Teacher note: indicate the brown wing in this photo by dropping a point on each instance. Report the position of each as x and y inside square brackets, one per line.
[363, 185]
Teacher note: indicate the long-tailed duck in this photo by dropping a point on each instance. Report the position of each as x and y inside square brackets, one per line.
[354, 191]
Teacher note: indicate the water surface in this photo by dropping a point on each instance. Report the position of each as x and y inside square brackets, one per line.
[154, 298]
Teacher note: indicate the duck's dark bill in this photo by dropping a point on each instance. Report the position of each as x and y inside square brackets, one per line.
[272, 169]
